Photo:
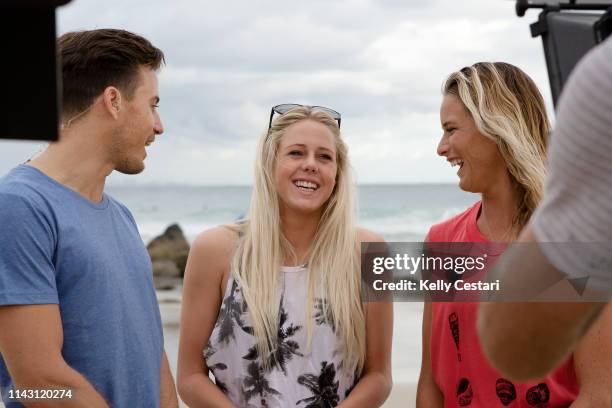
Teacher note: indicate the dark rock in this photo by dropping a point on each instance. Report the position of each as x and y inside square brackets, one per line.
[165, 268]
[170, 247]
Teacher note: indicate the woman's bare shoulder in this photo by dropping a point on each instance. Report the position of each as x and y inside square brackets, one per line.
[220, 237]
[215, 246]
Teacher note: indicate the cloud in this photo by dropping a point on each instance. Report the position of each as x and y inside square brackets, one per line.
[379, 62]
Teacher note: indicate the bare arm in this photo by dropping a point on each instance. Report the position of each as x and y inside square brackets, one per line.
[31, 342]
[593, 363]
[516, 336]
[428, 392]
[375, 384]
[208, 259]
[167, 393]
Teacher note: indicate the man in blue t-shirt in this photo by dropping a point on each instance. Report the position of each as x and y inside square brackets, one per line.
[78, 311]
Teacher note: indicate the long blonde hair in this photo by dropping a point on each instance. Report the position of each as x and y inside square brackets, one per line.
[333, 259]
[507, 107]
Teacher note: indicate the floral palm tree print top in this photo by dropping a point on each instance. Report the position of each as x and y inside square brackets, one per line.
[298, 376]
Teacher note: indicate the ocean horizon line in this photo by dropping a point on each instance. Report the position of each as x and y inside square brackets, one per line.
[188, 185]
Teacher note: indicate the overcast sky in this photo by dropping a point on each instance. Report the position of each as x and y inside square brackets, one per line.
[380, 63]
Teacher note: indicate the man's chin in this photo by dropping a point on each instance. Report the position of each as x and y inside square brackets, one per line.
[131, 168]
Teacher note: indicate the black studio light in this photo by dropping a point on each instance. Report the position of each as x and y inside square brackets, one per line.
[30, 104]
[568, 30]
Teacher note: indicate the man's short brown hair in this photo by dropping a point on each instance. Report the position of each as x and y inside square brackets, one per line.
[93, 60]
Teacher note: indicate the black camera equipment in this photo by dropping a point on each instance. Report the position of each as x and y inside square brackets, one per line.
[30, 104]
[569, 30]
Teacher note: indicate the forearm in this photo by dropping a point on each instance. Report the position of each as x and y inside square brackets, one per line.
[168, 398]
[371, 391]
[32, 352]
[507, 331]
[198, 391]
[592, 359]
[428, 393]
[83, 393]
[585, 400]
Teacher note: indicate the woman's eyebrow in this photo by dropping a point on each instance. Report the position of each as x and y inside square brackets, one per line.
[304, 146]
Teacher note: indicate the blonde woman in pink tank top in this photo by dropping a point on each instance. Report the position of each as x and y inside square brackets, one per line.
[495, 131]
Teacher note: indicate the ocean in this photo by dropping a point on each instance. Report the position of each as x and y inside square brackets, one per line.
[397, 212]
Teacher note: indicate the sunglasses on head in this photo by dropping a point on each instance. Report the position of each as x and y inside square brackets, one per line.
[286, 107]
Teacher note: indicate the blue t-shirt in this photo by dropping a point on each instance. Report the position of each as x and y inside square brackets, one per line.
[56, 247]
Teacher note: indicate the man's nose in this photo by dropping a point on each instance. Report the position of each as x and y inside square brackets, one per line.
[158, 127]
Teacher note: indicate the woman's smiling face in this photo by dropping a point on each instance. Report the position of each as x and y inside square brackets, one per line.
[306, 167]
[478, 158]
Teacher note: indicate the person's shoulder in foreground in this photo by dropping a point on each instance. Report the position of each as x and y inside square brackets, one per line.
[572, 229]
[578, 203]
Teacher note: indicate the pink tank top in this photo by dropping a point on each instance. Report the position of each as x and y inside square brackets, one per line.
[459, 366]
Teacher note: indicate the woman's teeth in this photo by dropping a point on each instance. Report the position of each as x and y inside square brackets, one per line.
[306, 185]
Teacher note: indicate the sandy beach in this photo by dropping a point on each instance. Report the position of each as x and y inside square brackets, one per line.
[406, 346]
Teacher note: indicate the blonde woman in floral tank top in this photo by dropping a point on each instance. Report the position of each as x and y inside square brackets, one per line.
[272, 311]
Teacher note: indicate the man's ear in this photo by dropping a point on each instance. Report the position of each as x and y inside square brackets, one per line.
[112, 100]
